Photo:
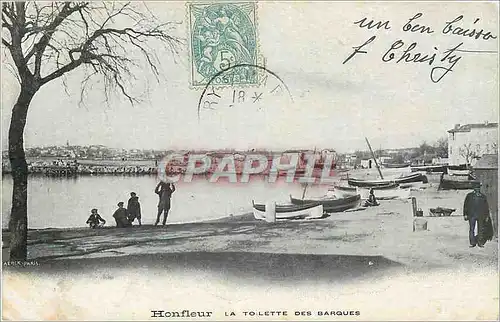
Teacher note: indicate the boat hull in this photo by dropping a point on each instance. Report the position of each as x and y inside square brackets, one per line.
[369, 183]
[441, 212]
[331, 204]
[395, 166]
[415, 177]
[344, 188]
[430, 168]
[447, 184]
[385, 194]
[289, 212]
[458, 172]
[458, 167]
[353, 189]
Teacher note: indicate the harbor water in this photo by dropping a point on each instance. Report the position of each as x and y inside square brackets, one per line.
[60, 202]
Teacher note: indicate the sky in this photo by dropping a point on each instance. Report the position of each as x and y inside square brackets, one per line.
[329, 104]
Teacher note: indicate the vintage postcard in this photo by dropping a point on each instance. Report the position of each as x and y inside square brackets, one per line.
[250, 160]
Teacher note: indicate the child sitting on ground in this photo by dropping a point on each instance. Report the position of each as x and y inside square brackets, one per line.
[120, 216]
[95, 219]
[372, 201]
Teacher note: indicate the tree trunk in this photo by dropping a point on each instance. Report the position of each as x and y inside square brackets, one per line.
[18, 224]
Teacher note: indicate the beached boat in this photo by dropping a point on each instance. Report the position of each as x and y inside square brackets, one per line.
[306, 211]
[384, 194]
[458, 167]
[441, 212]
[450, 184]
[342, 188]
[414, 177]
[341, 191]
[368, 183]
[353, 189]
[395, 165]
[330, 204]
[430, 168]
[412, 185]
[458, 172]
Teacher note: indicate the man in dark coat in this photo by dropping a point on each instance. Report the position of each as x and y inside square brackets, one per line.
[164, 191]
[120, 216]
[477, 211]
[134, 208]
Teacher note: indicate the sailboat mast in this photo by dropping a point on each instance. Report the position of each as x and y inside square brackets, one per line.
[307, 184]
[374, 159]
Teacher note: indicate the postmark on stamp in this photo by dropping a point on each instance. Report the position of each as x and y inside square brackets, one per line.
[271, 86]
[222, 35]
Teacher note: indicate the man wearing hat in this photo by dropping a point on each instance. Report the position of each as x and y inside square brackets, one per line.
[120, 216]
[134, 208]
[477, 212]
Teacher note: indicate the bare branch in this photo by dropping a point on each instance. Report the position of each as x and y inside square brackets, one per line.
[61, 71]
[6, 43]
[52, 39]
[65, 12]
[8, 12]
[5, 23]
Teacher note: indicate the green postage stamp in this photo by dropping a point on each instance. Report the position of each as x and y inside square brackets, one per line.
[223, 43]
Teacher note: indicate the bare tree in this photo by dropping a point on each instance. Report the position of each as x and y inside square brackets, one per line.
[46, 41]
[469, 153]
[441, 147]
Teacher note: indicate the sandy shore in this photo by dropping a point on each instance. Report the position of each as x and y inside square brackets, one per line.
[368, 248]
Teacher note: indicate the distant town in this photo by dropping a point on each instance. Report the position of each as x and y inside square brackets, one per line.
[101, 152]
[463, 144]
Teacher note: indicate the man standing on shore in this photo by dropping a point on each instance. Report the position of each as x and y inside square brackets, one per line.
[134, 208]
[164, 191]
[476, 210]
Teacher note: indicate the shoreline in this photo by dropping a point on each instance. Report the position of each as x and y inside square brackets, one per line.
[241, 218]
[383, 230]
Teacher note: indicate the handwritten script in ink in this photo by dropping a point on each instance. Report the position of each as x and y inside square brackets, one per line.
[442, 62]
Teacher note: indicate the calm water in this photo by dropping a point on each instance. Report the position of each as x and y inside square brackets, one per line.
[62, 202]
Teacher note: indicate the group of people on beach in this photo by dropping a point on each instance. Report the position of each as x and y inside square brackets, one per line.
[124, 217]
[476, 212]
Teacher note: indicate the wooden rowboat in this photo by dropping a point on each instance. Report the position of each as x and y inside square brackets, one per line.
[343, 188]
[441, 212]
[458, 172]
[430, 168]
[369, 183]
[448, 184]
[414, 177]
[385, 194]
[458, 167]
[353, 189]
[283, 212]
[331, 204]
[395, 165]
